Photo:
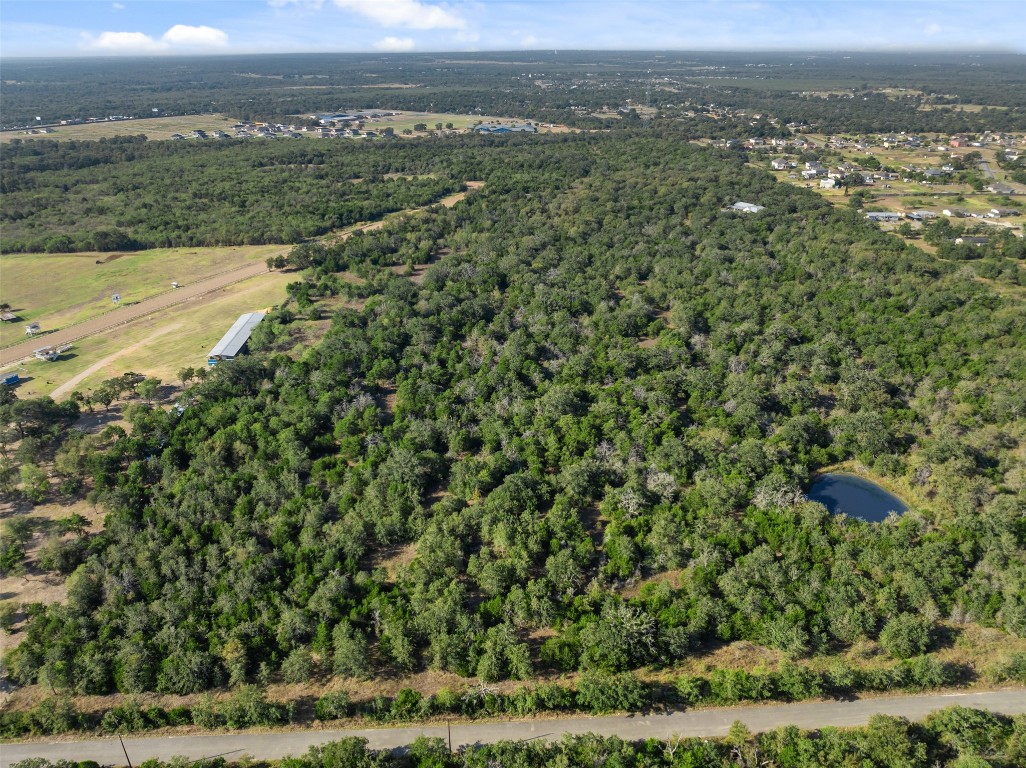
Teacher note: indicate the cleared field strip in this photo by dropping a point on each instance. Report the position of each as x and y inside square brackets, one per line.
[154, 128]
[59, 290]
[123, 315]
[141, 346]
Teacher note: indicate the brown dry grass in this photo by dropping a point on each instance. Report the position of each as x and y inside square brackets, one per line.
[155, 128]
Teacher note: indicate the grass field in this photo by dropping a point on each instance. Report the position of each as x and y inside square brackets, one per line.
[58, 290]
[154, 128]
[164, 127]
[959, 107]
[158, 345]
[410, 119]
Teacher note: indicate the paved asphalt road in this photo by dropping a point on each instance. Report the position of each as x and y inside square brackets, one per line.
[708, 722]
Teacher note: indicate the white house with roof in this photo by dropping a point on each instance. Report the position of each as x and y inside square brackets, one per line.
[747, 207]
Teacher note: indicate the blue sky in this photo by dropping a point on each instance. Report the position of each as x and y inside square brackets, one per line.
[177, 27]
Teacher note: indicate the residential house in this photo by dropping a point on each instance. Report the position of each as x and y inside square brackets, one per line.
[1000, 189]
[747, 207]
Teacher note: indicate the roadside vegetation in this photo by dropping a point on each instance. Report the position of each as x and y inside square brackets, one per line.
[957, 737]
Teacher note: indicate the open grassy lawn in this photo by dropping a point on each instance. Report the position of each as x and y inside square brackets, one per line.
[154, 128]
[158, 345]
[959, 107]
[59, 289]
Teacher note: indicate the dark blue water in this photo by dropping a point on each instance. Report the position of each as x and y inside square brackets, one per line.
[855, 496]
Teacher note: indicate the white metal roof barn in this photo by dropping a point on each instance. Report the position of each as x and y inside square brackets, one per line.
[233, 342]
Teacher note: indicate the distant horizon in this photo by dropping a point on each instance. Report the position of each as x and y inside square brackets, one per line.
[520, 51]
[92, 28]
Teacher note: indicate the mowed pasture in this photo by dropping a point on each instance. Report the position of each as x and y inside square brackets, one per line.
[157, 345]
[152, 127]
[57, 290]
[407, 120]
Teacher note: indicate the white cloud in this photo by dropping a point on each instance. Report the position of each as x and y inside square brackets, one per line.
[314, 4]
[394, 44]
[180, 36]
[123, 42]
[527, 41]
[195, 37]
[118, 6]
[412, 14]
[932, 29]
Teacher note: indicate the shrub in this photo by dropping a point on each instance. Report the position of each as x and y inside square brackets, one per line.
[798, 682]
[555, 697]
[14, 724]
[298, 666]
[249, 707]
[927, 672]
[842, 678]
[906, 635]
[601, 692]
[52, 716]
[730, 686]
[178, 716]
[1012, 670]
[406, 705]
[124, 718]
[969, 730]
[523, 701]
[446, 700]
[691, 690]
[332, 706]
[561, 652]
[377, 708]
[8, 615]
[206, 714]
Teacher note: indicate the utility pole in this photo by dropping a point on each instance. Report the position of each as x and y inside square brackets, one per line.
[448, 725]
[127, 760]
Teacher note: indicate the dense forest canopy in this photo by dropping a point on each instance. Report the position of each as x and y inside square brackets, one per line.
[604, 376]
[559, 86]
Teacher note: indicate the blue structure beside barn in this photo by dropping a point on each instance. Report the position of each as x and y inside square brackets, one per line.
[234, 342]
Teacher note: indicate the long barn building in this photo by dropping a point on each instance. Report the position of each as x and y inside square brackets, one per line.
[234, 342]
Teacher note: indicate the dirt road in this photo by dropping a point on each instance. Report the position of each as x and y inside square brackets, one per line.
[127, 314]
[69, 386]
[706, 722]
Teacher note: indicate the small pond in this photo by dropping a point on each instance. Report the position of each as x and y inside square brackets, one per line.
[854, 496]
